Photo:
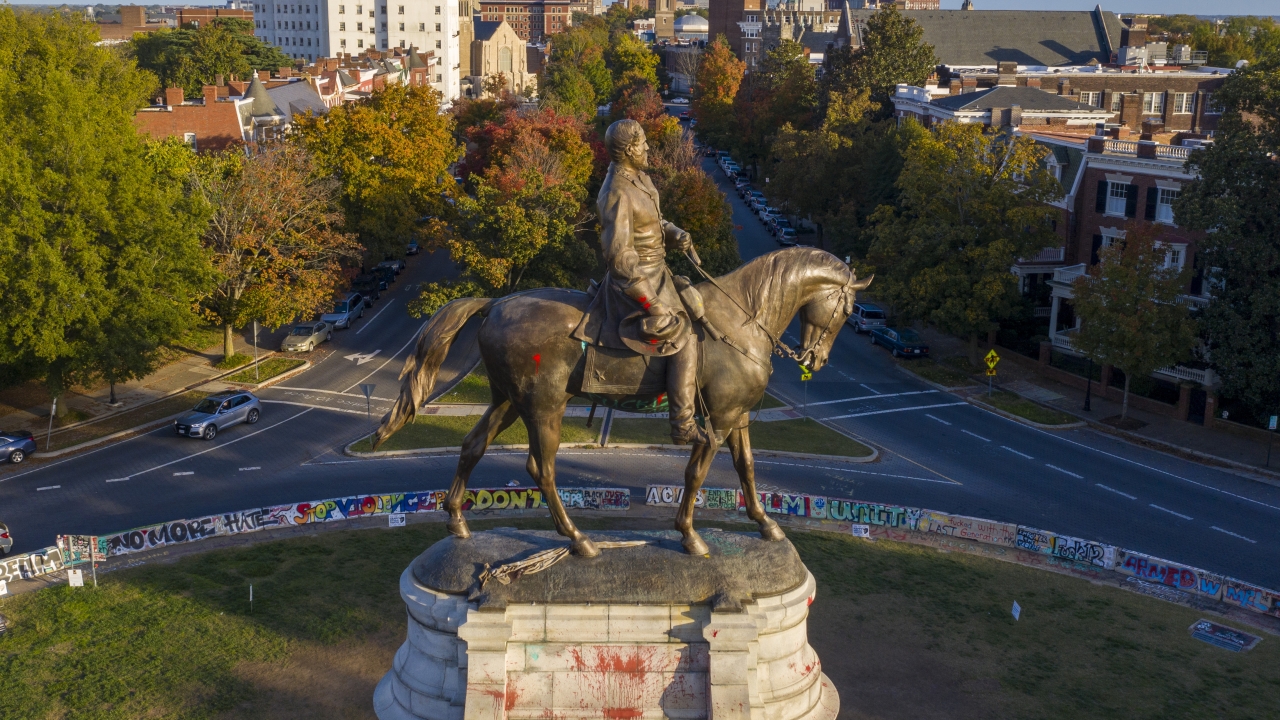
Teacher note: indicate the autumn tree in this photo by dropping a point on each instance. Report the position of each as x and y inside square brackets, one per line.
[781, 93]
[892, 51]
[1236, 196]
[971, 202]
[390, 155]
[576, 79]
[1130, 316]
[94, 228]
[693, 202]
[517, 228]
[630, 60]
[276, 237]
[191, 58]
[715, 86]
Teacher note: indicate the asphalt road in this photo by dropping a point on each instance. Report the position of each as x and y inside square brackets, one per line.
[936, 452]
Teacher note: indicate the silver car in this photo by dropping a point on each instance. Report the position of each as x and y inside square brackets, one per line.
[6, 540]
[306, 336]
[219, 412]
[345, 310]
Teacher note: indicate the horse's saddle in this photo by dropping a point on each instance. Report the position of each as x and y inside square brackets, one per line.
[610, 371]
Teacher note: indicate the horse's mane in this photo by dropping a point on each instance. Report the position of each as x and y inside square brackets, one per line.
[763, 278]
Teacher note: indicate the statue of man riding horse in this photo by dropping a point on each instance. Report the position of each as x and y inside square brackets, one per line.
[641, 339]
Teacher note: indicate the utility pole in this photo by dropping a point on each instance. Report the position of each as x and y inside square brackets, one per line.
[48, 438]
[255, 351]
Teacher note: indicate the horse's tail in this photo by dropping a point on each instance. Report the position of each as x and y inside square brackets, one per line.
[418, 377]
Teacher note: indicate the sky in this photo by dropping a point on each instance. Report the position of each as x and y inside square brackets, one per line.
[1155, 7]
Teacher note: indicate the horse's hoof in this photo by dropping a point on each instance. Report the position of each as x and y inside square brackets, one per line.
[772, 532]
[694, 544]
[459, 528]
[583, 547]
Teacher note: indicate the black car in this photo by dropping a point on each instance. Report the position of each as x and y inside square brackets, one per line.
[369, 286]
[16, 445]
[384, 273]
[902, 342]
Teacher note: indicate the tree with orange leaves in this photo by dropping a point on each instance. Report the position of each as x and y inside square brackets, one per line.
[716, 85]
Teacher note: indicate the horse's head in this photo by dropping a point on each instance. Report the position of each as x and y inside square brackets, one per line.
[821, 318]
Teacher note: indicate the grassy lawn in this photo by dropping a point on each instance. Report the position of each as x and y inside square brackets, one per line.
[1024, 408]
[125, 420]
[474, 390]
[941, 373]
[234, 361]
[266, 370]
[903, 631]
[431, 431]
[800, 435]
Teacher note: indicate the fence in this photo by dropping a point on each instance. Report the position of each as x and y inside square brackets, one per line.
[72, 550]
[1064, 548]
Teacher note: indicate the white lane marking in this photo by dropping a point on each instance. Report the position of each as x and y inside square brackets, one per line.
[189, 472]
[332, 392]
[1178, 514]
[847, 376]
[362, 358]
[168, 428]
[255, 467]
[412, 339]
[1111, 489]
[860, 472]
[1228, 532]
[944, 422]
[1206, 486]
[870, 388]
[314, 407]
[369, 322]
[48, 487]
[895, 410]
[973, 434]
[218, 447]
[1055, 467]
[1015, 452]
[877, 396]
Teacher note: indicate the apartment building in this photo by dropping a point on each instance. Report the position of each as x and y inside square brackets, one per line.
[311, 30]
[533, 20]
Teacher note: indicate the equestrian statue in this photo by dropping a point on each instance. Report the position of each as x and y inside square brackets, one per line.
[641, 340]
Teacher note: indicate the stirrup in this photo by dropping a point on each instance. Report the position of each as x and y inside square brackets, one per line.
[694, 435]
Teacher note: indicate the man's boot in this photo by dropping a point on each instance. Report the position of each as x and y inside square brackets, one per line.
[682, 391]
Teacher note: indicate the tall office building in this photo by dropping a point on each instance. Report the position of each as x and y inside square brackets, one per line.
[327, 28]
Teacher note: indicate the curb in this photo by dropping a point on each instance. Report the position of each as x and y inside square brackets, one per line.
[1024, 421]
[306, 364]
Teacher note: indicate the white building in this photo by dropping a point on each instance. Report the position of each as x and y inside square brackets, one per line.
[327, 28]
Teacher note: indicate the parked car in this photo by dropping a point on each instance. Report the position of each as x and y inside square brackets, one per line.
[346, 309]
[6, 541]
[396, 265]
[304, 337]
[902, 342]
[370, 287]
[684, 115]
[787, 237]
[866, 316]
[766, 214]
[412, 248]
[386, 274]
[742, 185]
[756, 200]
[679, 101]
[709, 152]
[16, 445]
[778, 223]
[219, 412]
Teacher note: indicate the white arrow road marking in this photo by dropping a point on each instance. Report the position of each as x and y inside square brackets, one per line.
[189, 472]
[362, 358]
[48, 487]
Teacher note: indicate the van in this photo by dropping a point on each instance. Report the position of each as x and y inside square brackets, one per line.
[866, 316]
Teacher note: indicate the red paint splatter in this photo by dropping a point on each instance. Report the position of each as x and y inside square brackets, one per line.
[809, 601]
[715, 633]
[622, 713]
[511, 699]
[537, 362]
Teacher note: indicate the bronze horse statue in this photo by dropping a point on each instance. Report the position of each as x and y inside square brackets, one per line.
[535, 368]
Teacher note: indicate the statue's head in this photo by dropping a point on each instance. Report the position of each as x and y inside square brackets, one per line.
[625, 142]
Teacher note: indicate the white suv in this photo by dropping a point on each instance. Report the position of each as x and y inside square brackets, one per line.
[866, 316]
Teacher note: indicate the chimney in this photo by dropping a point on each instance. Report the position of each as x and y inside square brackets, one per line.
[1147, 149]
[1064, 86]
[264, 75]
[284, 72]
[219, 80]
[1033, 82]
[1006, 73]
[210, 94]
[968, 85]
[1097, 143]
[173, 96]
[1015, 116]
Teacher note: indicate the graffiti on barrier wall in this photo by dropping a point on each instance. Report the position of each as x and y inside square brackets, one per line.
[969, 528]
[1066, 547]
[1210, 585]
[708, 498]
[31, 565]
[873, 514]
[1156, 570]
[1242, 594]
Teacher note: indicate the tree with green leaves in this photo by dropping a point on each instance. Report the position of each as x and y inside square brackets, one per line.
[517, 228]
[715, 86]
[576, 79]
[1237, 198]
[95, 227]
[191, 58]
[390, 155]
[691, 200]
[631, 61]
[276, 237]
[1237, 38]
[893, 51]
[781, 93]
[971, 202]
[1130, 316]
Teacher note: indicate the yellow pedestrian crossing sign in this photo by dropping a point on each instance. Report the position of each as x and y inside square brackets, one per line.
[805, 373]
[992, 358]
[991, 371]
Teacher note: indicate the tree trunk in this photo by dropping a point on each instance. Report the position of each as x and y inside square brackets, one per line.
[112, 401]
[228, 342]
[975, 356]
[1124, 404]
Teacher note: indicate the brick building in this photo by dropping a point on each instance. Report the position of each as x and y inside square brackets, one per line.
[806, 23]
[207, 124]
[740, 21]
[533, 20]
[201, 16]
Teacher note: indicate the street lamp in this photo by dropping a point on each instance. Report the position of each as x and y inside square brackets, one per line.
[1088, 387]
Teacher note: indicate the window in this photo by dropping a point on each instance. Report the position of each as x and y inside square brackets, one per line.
[1110, 235]
[422, 27]
[1117, 197]
[402, 43]
[342, 27]
[384, 28]
[1164, 205]
[360, 43]
[1115, 101]
[342, 42]
[400, 11]
[190, 139]
[1184, 103]
[437, 9]
[401, 27]
[1091, 98]
[384, 9]
[437, 78]
[437, 44]
[359, 9]
[342, 9]
[437, 27]
[1175, 255]
[1153, 103]
[359, 27]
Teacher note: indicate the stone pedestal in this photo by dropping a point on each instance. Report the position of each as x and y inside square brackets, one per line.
[639, 632]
